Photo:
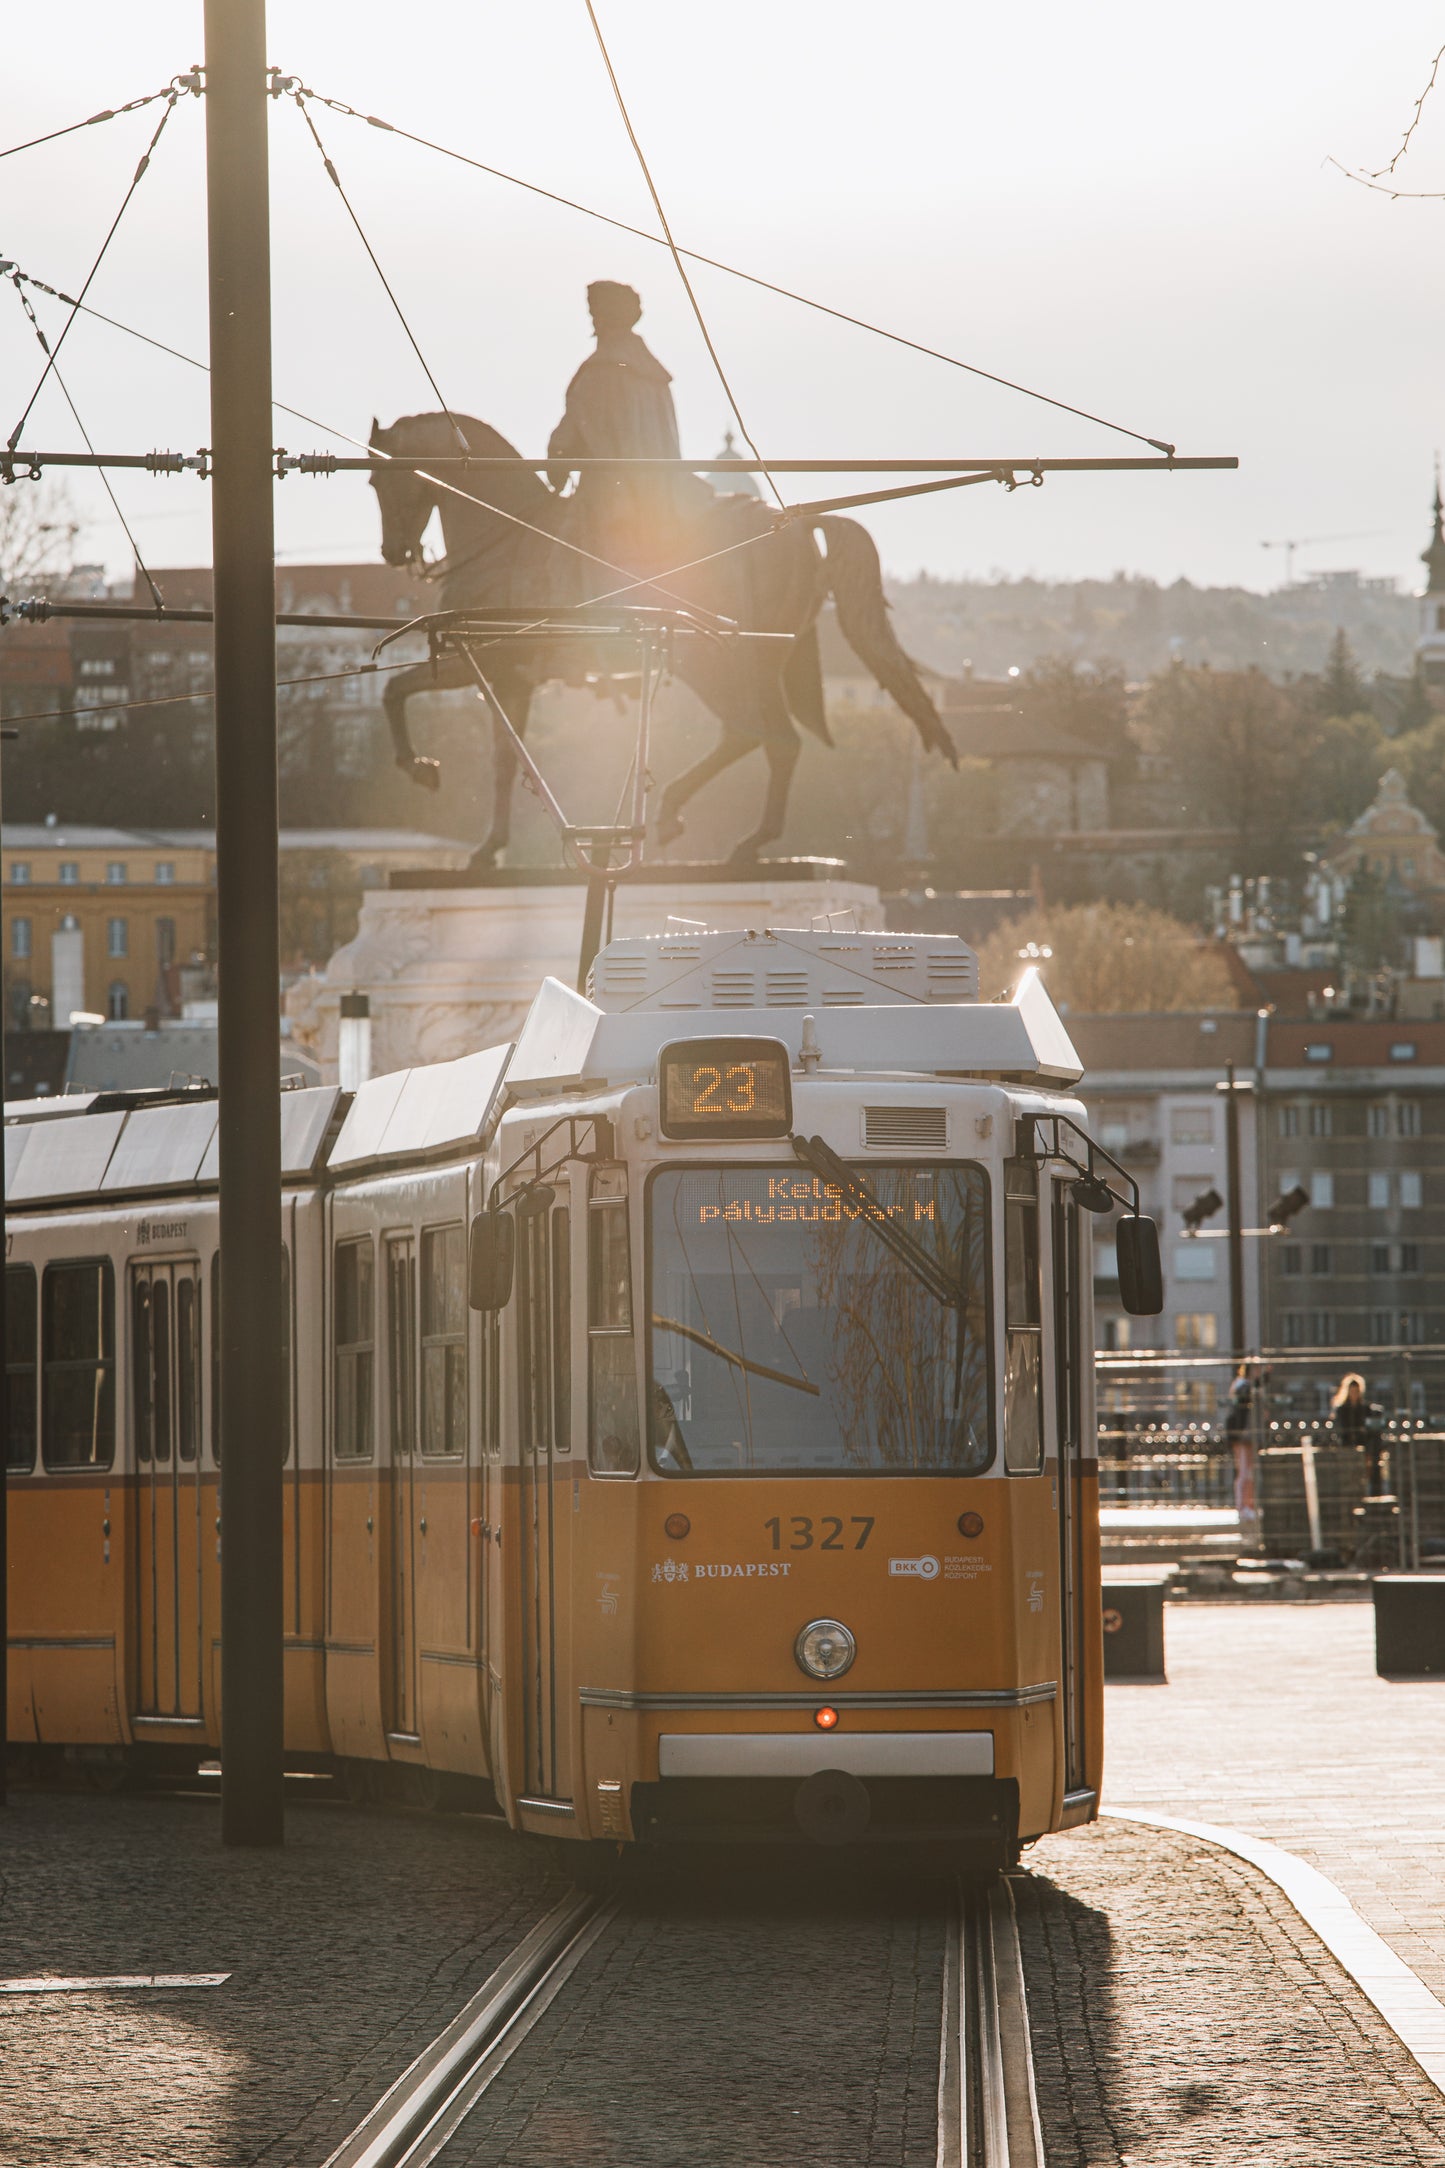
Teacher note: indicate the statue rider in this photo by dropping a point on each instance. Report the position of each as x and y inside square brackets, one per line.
[619, 406]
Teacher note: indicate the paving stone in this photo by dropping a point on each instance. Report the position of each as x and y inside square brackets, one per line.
[1182, 2013]
[348, 1951]
[743, 2022]
[1274, 1722]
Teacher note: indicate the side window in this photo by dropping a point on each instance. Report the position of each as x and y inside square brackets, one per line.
[20, 1323]
[355, 1327]
[491, 1389]
[534, 1353]
[443, 1340]
[188, 1366]
[286, 1348]
[150, 1367]
[561, 1329]
[216, 1354]
[216, 1358]
[612, 1425]
[1023, 1430]
[77, 1304]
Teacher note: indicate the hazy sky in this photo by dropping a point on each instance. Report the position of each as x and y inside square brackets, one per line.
[1123, 204]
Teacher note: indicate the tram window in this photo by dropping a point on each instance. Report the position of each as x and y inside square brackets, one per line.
[789, 1336]
[562, 1329]
[286, 1348]
[188, 1365]
[534, 1354]
[77, 1310]
[612, 1431]
[1023, 1389]
[216, 1354]
[20, 1323]
[443, 1340]
[491, 1391]
[150, 1367]
[355, 1326]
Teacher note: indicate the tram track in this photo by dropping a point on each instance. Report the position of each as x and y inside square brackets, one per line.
[987, 2113]
[418, 2115]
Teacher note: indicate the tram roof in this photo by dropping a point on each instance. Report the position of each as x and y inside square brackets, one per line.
[57, 1150]
[568, 1043]
[415, 1113]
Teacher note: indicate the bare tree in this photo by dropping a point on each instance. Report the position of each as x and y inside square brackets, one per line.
[38, 527]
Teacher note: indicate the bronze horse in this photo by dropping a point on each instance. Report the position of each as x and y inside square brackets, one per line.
[510, 552]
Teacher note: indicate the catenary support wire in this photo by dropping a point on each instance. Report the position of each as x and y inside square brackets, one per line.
[173, 700]
[662, 220]
[751, 278]
[24, 299]
[132, 105]
[171, 97]
[281, 86]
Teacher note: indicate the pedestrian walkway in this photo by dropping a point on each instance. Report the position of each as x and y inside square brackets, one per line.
[177, 2002]
[1275, 1723]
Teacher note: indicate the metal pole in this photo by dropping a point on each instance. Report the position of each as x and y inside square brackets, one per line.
[252, 1410]
[1236, 1236]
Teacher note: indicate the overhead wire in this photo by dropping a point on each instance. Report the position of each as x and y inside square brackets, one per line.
[171, 700]
[750, 278]
[25, 302]
[662, 220]
[634, 581]
[171, 97]
[387, 288]
[133, 105]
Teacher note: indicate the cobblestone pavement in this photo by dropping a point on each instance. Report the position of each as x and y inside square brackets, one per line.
[752, 2024]
[1183, 2014]
[348, 1951]
[1275, 1723]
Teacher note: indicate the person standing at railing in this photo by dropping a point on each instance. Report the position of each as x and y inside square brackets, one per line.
[1239, 1430]
[1360, 1423]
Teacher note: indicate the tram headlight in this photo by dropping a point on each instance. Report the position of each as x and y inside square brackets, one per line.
[824, 1649]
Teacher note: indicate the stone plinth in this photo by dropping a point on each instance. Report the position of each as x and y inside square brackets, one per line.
[450, 967]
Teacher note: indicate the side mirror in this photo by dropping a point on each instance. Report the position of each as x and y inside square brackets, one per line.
[491, 1255]
[1141, 1275]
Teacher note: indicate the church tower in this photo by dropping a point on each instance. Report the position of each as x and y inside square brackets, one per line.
[1430, 642]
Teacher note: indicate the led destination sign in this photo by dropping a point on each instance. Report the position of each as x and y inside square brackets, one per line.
[725, 1088]
[771, 1200]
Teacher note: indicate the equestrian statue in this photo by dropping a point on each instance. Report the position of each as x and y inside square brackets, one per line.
[515, 541]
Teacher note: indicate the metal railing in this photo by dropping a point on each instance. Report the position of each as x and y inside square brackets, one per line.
[1163, 1442]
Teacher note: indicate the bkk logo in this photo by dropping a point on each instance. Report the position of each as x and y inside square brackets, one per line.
[913, 1569]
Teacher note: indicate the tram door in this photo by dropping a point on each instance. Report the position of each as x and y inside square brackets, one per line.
[165, 1312]
[1070, 1356]
[544, 1437]
[403, 1712]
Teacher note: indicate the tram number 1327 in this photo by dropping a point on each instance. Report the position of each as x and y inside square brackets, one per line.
[801, 1526]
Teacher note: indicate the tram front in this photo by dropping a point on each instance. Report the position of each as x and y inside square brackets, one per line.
[834, 1575]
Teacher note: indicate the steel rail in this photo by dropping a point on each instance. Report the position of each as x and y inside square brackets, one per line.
[422, 2111]
[988, 2114]
[166, 463]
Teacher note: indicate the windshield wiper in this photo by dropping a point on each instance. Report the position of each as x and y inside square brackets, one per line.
[739, 1362]
[858, 1191]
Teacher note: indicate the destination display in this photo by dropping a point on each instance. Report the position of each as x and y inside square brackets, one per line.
[725, 1088]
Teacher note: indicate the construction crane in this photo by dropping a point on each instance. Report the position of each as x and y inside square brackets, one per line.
[1315, 541]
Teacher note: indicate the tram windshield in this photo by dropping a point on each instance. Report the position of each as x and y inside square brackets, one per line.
[788, 1337]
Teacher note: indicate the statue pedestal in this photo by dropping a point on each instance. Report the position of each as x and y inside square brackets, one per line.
[452, 965]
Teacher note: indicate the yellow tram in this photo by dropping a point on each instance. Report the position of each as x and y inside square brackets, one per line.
[691, 1419]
